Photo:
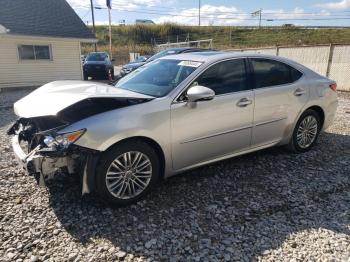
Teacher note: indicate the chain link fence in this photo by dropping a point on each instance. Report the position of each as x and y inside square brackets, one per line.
[339, 69]
[204, 43]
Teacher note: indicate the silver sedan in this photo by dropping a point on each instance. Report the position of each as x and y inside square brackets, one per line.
[171, 115]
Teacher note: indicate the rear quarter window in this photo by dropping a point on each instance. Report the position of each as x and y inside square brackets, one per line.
[273, 73]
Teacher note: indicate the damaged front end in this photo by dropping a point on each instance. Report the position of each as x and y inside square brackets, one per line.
[42, 150]
[39, 143]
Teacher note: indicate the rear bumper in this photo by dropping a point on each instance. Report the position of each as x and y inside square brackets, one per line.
[91, 71]
[330, 114]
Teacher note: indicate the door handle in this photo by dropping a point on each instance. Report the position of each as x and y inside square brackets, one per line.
[244, 102]
[299, 92]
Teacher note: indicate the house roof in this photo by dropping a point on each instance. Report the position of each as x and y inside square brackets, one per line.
[48, 18]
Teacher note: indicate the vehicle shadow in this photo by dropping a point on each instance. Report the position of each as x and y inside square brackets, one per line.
[245, 206]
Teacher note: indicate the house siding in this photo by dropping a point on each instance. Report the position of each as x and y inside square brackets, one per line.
[65, 63]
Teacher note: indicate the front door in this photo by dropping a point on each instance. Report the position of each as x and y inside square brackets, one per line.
[205, 130]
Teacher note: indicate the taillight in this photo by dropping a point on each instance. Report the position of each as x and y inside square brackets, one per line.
[333, 87]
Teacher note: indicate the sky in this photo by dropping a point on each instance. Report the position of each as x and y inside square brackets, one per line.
[220, 12]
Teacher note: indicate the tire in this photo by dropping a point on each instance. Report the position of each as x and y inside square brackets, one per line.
[121, 187]
[109, 74]
[296, 143]
[112, 75]
[85, 76]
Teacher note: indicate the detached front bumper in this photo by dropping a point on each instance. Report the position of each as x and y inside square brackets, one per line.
[30, 163]
[40, 165]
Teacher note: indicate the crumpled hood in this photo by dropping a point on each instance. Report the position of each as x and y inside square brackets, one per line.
[53, 97]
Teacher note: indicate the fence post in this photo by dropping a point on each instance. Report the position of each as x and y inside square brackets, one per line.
[330, 59]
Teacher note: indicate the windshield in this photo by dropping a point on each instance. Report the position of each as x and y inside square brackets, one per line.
[159, 77]
[96, 57]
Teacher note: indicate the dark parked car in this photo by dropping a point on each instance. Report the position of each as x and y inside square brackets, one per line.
[98, 66]
[126, 69]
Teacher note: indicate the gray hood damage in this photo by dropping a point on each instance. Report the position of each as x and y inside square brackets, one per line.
[58, 104]
[54, 97]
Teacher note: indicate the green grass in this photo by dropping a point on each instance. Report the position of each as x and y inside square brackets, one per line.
[140, 38]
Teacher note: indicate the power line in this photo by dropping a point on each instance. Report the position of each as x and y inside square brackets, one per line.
[154, 12]
[231, 17]
[195, 11]
[88, 12]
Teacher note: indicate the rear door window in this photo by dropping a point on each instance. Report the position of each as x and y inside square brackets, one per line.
[273, 73]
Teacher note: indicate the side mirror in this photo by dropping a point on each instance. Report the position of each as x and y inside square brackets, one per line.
[200, 93]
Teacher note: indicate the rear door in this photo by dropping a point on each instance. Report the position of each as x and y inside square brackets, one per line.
[279, 97]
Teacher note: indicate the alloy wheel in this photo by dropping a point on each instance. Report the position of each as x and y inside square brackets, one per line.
[129, 175]
[307, 131]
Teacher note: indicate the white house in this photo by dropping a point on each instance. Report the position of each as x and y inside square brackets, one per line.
[40, 42]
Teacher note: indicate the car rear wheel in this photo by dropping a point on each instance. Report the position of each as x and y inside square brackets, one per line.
[110, 74]
[305, 132]
[127, 172]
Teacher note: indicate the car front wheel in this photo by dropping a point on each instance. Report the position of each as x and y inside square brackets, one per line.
[127, 172]
[305, 132]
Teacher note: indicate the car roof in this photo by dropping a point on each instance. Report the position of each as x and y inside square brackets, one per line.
[182, 49]
[212, 56]
[98, 53]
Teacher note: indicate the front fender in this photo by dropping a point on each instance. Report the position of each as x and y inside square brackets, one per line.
[151, 120]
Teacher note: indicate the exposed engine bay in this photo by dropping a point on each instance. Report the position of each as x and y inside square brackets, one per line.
[43, 149]
[33, 130]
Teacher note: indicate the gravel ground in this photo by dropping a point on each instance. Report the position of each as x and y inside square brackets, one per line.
[266, 206]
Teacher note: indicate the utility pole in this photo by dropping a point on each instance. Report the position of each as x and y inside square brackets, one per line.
[110, 32]
[199, 12]
[93, 21]
[260, 18]
[258, 13]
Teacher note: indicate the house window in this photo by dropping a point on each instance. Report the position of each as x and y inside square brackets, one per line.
[34, 52]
